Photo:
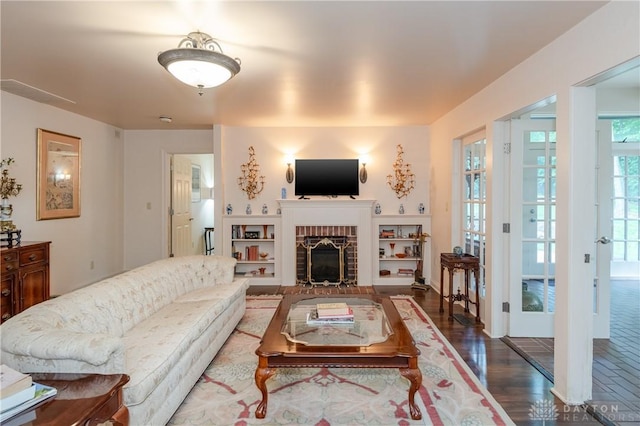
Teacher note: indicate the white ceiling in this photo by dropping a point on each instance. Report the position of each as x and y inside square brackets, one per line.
[304, 63]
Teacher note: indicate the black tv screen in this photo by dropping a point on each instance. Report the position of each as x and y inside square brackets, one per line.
[326, 177]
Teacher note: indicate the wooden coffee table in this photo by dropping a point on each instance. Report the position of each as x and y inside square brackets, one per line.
[398, 350]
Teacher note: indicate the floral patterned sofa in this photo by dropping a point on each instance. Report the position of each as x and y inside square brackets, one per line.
[161, 324]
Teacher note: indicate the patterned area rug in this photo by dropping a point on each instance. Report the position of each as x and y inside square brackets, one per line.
[226, 394]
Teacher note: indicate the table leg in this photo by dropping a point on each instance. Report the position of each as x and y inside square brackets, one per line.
[415, 378]
[441, 288]
[476, 274]
[262, 374]
[466, 290]
[451, 271]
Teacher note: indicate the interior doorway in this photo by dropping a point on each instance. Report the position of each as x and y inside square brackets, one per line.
[191, 207]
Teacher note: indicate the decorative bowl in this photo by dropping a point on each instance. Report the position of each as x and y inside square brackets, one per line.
[401, 255]
[264, 255]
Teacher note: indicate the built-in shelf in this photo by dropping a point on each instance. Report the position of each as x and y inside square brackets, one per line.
[400, 234]
[246, 238]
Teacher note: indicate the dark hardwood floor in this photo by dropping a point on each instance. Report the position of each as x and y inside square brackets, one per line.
[513, 382]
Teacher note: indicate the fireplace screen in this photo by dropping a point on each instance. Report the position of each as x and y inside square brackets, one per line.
[326, 261]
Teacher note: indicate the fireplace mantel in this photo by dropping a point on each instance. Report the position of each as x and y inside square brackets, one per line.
[327, 212]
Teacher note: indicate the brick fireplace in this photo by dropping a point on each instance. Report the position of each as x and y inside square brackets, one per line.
[326, 255]
[351, 219]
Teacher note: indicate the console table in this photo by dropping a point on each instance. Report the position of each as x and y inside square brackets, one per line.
[467, 263]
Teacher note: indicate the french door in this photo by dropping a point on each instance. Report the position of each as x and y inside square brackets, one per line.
[532, 229]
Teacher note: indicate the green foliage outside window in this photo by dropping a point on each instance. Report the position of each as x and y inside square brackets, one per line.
[625, 129]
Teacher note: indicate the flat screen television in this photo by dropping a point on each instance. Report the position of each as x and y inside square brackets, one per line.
[326, 177]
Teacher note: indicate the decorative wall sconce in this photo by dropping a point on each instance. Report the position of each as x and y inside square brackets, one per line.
[250, 182]
[402, 180]
[289, 174]
[363, 173]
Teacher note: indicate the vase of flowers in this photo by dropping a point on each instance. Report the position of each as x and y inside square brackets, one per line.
[8, 188]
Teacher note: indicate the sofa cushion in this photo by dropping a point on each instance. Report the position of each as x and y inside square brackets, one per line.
[153, 347]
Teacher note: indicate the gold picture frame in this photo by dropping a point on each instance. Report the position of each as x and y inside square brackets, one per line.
[58, 180]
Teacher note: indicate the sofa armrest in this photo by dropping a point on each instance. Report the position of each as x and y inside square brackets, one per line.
[51, 344]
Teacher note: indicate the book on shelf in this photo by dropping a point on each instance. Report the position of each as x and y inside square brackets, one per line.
[251, 253]
[40, 394]
[12, 381]
[405, 271]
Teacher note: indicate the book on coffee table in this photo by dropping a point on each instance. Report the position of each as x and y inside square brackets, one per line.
[40, 394]
[312, 319]
[12, 381]
[333, 310]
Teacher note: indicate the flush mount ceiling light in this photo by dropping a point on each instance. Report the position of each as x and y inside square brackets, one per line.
[199, 62]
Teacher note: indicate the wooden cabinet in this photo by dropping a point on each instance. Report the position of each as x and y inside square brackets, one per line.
[25, 277]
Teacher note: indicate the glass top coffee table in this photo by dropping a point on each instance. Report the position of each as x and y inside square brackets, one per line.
[377, 338]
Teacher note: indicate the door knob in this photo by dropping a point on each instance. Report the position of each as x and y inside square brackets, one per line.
[603, 240]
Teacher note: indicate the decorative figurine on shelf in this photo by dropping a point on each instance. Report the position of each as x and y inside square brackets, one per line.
[248, 209]
[421, 208]
[401, 210]
[378, 209]
[457, 250]
[265, 209]
[229, 209]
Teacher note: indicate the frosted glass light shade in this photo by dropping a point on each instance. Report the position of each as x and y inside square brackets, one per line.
[197, 66]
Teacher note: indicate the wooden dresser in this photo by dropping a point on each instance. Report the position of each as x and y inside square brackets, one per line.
[25, 277]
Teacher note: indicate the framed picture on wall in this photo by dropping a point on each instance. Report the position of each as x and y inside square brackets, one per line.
[195, 184]
[58, 175]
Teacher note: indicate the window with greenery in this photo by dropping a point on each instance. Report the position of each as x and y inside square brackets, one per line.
[626, 198]
[474, 200]
[625, 129]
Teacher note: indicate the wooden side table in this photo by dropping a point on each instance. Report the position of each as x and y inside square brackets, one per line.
[82, 399]
[467, 263]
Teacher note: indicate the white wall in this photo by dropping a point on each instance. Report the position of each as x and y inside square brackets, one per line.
[147, 188]
[96, 237]
[272, 145]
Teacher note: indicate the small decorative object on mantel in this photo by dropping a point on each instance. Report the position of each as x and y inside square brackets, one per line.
[401, 209]
[457, 250]
[402, 180]
[378, 208]
[8, 188]
[265, 209]
[229, 209]
[421, 208]
[250, 181]
[248, 209]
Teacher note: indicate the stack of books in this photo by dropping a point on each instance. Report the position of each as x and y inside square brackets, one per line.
[331, 313]
[18, 392]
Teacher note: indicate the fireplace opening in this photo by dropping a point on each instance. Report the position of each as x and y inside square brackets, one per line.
[325, 261]
[326, 264]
